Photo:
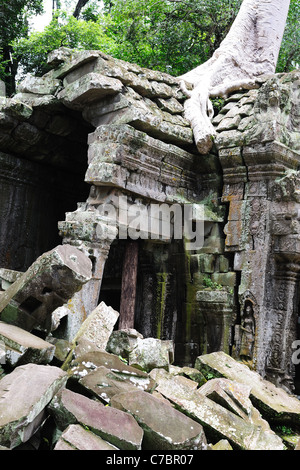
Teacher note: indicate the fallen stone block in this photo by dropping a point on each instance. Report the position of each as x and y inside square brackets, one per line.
[231, 395]
[8, 277]
[48, 284]
[62, 348]
[98, 326]
[217, 421]
[164, 427]
[234, 396]
[93, 360]
[116, 427]
[274, 403]
[22, 347]
[24, 395]
[122, 342]
[151, 353]
[222, 445]
[189, 372]
[104, 383]
[75, 437]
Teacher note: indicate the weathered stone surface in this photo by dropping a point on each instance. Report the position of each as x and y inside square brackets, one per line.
[105, 384]
[97, 358]
[222, 445]
[164, 427]
[112, 425]
[52, 279]
[62, 348]
[98, 326]
[22, 347]
[122, 342]
[151, 353]
[216, 419]
[88, 89]
[273, 402]
[24, 394]
[75, 437]
[229, 394]
[104, 375]
[189, 372]
[46, 85]
[8, 277]
[122, 156]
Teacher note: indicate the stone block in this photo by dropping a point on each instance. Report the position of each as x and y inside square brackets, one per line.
[122, 342]
[8, 277]
[215, 419]
[23, 347]
[151, 353]
[225, 279]
[48, 284]
[24, 395]
[88, 89]
[231, 395]
[114, 426]
[273, 402]
[75, 437]
[98, 326]
[223, 444]
[46, 85]
[223, 264]
[164, 427]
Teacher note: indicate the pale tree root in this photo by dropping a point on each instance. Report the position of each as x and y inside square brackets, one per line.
[199, 110]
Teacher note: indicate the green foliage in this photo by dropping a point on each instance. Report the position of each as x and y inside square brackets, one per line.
[173, 36]
[284, 430]
[289, 56]
[170, 36]
[14, 17]
[63, 30]
[208, 282]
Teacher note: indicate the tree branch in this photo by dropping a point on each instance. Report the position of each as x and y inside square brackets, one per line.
[79, 7]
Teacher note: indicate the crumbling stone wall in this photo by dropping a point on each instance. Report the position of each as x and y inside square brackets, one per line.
[122, 126]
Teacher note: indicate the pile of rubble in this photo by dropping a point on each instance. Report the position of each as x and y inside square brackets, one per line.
[111, 389]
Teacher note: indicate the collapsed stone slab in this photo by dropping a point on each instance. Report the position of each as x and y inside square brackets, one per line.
[164, 427]
[75, 437]
[24, 395]
[215, 419]
[22, 347]
[115, 426]
[151, 352]
[98, 326]
[122, 342]
[49, 283]
[140, 352]
[273, 402]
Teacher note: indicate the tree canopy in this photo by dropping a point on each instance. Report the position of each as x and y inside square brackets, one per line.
[168, 35]
[14, 16]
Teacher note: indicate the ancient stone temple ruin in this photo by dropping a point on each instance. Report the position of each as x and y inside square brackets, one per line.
[95, 132]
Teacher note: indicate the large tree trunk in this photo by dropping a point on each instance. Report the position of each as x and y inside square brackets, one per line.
[250, 49]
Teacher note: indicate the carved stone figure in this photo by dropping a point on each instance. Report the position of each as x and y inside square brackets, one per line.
[247, 332]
